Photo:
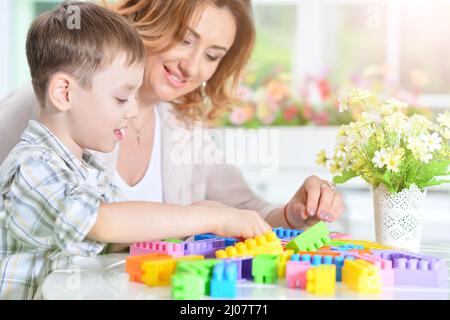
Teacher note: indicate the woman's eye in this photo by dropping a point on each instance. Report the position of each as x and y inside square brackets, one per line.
[212, 58]
[122, 101]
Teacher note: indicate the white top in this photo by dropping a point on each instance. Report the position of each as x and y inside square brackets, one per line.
[149, 188]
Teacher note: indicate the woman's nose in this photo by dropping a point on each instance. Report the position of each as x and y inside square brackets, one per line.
[190, 65]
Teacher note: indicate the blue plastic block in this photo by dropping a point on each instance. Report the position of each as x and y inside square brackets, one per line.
[223, 281]
[316, 260]
[203, 236]
[283, 233]
[295, 257]
[327, 260]
[306, 257]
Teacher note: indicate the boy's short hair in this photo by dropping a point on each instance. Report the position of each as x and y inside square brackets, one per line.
[78, 38]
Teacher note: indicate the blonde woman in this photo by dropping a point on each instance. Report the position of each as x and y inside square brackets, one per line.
[196, 51]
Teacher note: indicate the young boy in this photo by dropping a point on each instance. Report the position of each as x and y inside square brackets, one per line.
[55, 201]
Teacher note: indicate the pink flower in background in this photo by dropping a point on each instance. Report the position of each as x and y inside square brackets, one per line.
[245, 93]
[321, 118]
[277, 91]
[240, 116]
[290, 113]
[324, 88]
[308, 112]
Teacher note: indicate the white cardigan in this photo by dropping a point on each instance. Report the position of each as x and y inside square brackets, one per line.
[183, 183]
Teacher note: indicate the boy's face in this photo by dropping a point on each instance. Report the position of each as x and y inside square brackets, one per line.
[99, 116]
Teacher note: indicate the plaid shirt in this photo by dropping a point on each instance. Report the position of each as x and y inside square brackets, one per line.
[48, 203]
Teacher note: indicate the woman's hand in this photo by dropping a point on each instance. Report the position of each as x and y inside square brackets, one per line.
[314, 201]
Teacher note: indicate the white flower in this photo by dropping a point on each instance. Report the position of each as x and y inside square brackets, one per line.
[395, 122]
[343, 104]
[393, 161]
[417, 145]
[426, 157]
[433, 141]
[444, 119]
[397, 104]
[380, 158]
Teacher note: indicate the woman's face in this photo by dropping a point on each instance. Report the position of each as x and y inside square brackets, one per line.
[184, 67]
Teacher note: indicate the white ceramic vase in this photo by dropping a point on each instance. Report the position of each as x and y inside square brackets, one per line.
[399, 217]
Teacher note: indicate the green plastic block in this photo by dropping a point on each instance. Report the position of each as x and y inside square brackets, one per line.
[265, 268]
[187, 286]
[201, 268]
[173, 240]
[311, 239]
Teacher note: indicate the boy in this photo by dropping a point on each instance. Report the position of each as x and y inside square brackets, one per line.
[55, 201]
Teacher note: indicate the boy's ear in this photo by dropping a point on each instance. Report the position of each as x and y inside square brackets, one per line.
[59, 88]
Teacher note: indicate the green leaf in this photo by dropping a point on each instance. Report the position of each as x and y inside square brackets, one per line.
[346, 175]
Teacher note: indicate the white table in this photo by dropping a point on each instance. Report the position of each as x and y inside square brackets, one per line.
[104, 277]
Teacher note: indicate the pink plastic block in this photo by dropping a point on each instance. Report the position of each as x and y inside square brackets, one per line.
[174, 249]
[296, 273]
[338, 235]
[387, 273]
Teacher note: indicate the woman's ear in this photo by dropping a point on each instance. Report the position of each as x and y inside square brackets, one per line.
[59, 91]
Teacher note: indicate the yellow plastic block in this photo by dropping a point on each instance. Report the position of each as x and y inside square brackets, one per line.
[159, 272]
[361, 276]
[321, 279]
[283, 258]
[266, 243]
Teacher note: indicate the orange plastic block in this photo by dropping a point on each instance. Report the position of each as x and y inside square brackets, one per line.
[321, 279]
[320, 253]
[159, 272]
[133, 264]
[267, 243]
[284, 257]
[361, 276]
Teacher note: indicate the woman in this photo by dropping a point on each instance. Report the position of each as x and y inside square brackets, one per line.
[196, 51]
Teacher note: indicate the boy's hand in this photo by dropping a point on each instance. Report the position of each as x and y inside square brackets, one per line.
[240, 224]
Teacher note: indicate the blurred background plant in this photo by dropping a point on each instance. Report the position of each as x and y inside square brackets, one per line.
[275, 99]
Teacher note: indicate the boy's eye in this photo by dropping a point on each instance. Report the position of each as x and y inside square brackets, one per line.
[122, 101]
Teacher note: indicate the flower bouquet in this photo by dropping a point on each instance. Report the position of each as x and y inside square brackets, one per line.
[398, 155]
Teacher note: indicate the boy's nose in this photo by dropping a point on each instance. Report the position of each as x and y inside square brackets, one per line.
[133, 110]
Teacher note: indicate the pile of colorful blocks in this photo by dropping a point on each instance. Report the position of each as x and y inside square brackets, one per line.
[311, 260]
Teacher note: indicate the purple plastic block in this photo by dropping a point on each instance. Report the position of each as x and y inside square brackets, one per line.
[415, 269]
[244, 267]
[207, 247]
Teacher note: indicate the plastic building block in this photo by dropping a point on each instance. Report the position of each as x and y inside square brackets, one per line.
[223, 281]
[339, 235]
[174, 249]
[361, 276]
[133, 264]
[416, 269]
[244, 265]
[321, 279]
[203, 236]
[312, 239]
[296, 273]
[206, 247]
[346, 247]
[203, 268]
[316, 259]
[187, 286]
[264, 269]
[283, 258]
[158, 272]
[264, 244]
[384, 267]
[366, 244]
[173, 240]
[286, 233]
